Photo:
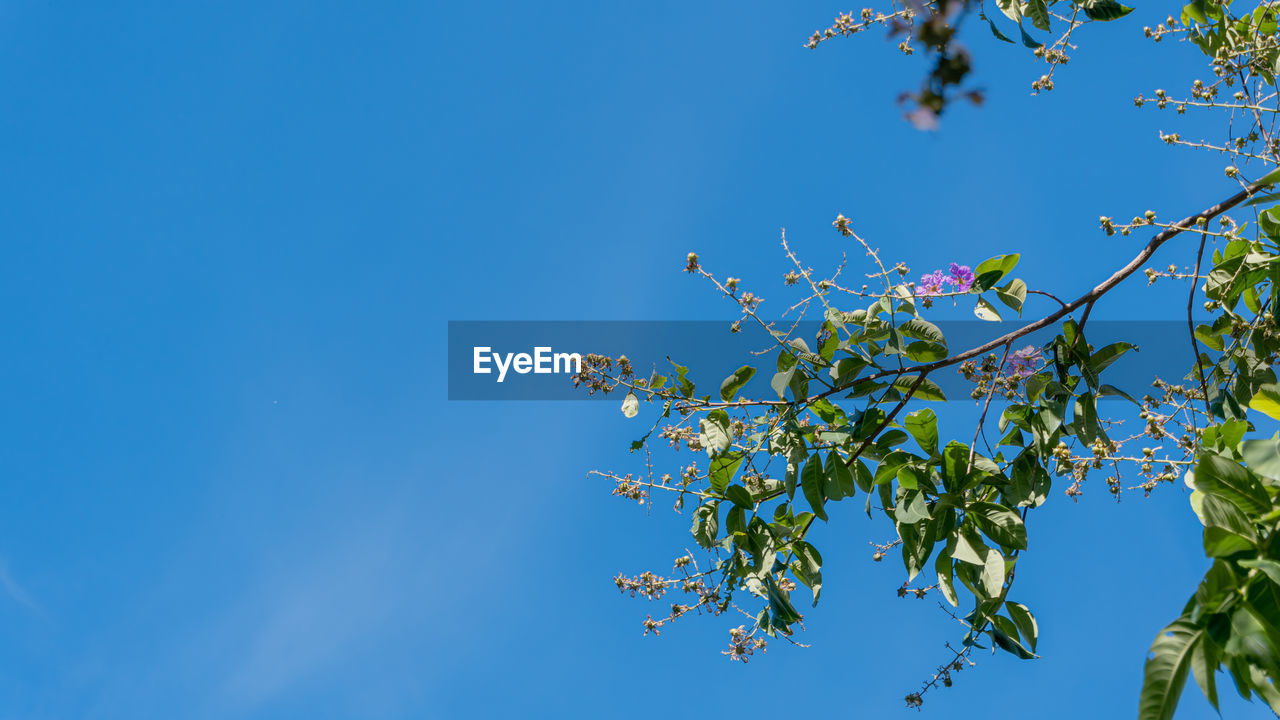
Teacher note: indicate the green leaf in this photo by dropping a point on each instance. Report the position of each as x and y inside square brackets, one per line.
[1204, 666]
[1270, 178]
[946, 582]
[1264, 198]
[739, 496]
[911, 509]
[811, 483]
[1025, 622]
[1267, 401]
[825, 410]
[1027, 40]
[1104, 10]
[787, 371]
[784, 613]
[838, 478]
[1012, 9]
[1224, 278]
[1000, 628]
[888, 468]
[1253, 637]
[917, 545]
[1220, 542]
[923, 426]
[1031, 483]
[996, 31]
[809, 566]
[955, 466]
[973, 553]
[723, 468]
[630, 405]
[862, 476]
[846, 369]
[1000, 524]
[1039, 13]
[1194, 11]
[890, 439]
[1226, 436]
[908, 479]
[1206, 335]
[1085, 422]
[991, 271]
[1219, 513]
[1267, 566]
[1103, 358]
[735, 522]
[781, 381]
[993, 572]
[924, 351]
[986, 311]
[926, 390]
[686, 385]
[706, 523]
[1269, 221]
[1217, 588]
[713, 432]
[1265, 688]
[1227, 530]
[732, 384]
[921, 329]
[1216, 475]
[1013, 294]
[1166, 670]
[1113, 391]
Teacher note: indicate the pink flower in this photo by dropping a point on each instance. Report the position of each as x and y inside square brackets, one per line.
[932, 284]
[1023, 363]
[961, 277]
[922, 118]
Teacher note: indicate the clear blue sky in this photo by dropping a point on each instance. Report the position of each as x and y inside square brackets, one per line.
[234, 233]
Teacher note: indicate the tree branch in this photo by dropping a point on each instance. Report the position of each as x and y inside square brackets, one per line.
[1191, 328]
[1088, 298]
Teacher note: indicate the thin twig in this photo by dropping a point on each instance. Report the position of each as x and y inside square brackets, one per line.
[1191, 328]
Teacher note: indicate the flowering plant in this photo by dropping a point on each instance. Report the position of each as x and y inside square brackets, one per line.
[845, 416]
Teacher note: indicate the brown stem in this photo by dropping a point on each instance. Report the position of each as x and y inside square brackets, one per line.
[973, 447]
[887, 419]
[1049, 295]
[1191, 328]
[1088, 298]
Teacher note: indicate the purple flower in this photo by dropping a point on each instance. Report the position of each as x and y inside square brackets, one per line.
[922, 118]
[932, 284]
[961, 277]
[1023, 363]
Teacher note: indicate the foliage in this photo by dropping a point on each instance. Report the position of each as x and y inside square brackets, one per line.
[936, 25]
[847, 418]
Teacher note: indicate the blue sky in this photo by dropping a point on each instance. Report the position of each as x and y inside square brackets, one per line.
[233, 485]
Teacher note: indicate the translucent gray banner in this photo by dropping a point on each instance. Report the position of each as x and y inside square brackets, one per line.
[534, 360]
